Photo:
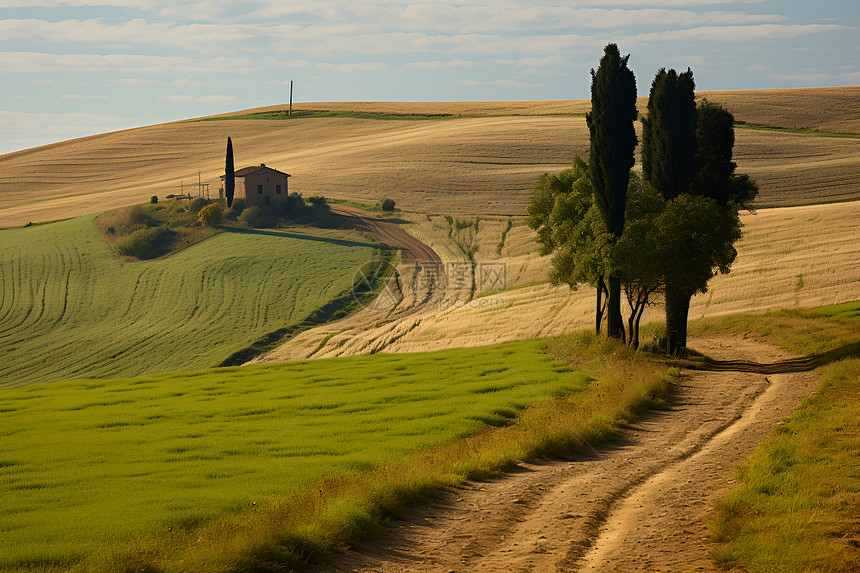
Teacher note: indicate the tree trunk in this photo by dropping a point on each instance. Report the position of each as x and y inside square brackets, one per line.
[677, 309]
[601, 289]
[614, 322]
[638, 316]
[634, 334]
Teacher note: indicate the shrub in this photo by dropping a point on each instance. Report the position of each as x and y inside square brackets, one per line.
[293, 205]
[145, 243]
[198, 204]
[318, 201]
[153, 199]
[138, 217]
[238, 206]
[388, 205]
[252, 216]
[211, 215]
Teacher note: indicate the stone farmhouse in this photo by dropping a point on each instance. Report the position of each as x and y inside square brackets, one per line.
[260, 185]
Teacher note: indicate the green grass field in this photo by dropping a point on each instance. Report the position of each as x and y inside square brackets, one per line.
[70, 309]
[85, 462]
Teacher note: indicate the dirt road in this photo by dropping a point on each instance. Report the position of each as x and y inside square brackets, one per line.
[640, 503]
[390, 234]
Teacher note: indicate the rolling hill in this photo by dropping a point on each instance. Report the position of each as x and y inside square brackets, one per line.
[476, 158]
[69, 308]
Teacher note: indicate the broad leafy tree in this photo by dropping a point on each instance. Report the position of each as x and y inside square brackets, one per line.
[613, 141]
[635, 257]
[570, 227]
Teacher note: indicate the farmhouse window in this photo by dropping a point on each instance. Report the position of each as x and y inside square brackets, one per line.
[278, 189]
[259, 189]
[267, 199]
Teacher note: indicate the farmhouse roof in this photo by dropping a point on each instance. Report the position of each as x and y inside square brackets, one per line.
[254, 168]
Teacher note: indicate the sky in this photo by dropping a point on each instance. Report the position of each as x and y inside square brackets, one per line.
[80, 67]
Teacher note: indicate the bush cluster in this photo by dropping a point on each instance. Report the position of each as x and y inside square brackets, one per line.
[251, 216]
[211, 214]
[144, 243]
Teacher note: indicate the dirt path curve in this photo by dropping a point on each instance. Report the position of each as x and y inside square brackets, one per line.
[640, 503]
[390, 234]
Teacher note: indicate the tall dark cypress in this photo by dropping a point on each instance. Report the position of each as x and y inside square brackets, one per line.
[669, 164]
[613, 141]
[669, 134]
[229, 175]
[715, 137]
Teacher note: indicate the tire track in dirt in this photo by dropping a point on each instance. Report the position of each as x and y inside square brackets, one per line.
[390, 234]
[640, 503]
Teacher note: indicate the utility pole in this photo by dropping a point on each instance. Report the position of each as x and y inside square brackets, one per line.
[291, 98]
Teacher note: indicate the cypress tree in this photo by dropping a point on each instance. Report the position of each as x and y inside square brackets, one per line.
[669, 165]
[229, 175]
[669, 134]
[687, 156]
[613, 141]
[715, 138]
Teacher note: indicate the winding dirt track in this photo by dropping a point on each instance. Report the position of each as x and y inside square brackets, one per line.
[640, 503]
[390, 234]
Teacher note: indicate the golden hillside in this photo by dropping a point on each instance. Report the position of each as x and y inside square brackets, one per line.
[484, 162]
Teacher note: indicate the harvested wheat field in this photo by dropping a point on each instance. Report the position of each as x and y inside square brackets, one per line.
[484, 160]
[829, 110]
[788, 257]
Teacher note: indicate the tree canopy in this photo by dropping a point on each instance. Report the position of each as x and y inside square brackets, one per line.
[570, 226]
[669, 133]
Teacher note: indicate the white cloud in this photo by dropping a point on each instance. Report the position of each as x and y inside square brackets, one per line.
[439, 64]
[19, 130]
[535, 62]
[818, 77]
[184, 98]
[39, 62]
[733, 34]
[356, 67]
[502, 82]
[186, 83]
[756, 68]
[81, 96]
[203, 38]
[134, 81]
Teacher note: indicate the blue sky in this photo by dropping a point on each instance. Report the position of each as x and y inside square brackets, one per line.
[79, 67]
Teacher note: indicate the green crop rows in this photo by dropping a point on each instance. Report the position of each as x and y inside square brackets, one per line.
[70, 309]
[86, 461]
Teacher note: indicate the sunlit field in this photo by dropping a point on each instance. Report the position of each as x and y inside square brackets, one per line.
[89, 461]
[483, 160]
[70, 309]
